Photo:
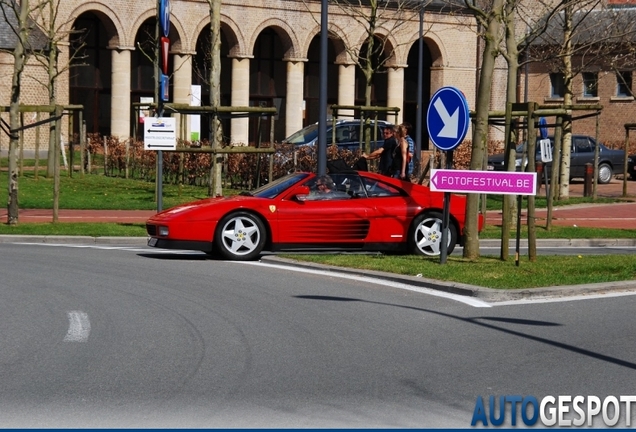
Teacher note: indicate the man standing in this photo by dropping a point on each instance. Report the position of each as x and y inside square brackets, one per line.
[385, 153]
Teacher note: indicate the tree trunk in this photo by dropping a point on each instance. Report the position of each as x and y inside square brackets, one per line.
[215, 188]
[512, 56]
[369, 68]
[52, 71]
[19, 56]
[564, 180]
[480, 131]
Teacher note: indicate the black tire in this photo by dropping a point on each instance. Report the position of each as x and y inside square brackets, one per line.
[605, 173]
[240, 236]
[425, 236]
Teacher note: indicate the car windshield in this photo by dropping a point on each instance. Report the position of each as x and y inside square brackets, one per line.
[273, 189]
[303, 136]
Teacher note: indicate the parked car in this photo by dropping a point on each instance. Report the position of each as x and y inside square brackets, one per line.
[366, 212]
[631, 166]
[582, 153]
[348, 134]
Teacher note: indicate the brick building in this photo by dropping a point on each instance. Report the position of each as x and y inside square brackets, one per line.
[269, 54]
[602, 65]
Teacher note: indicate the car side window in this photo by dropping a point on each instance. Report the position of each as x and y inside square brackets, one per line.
[351, 184]
[325, 188]
[583, 145]
[346, 134]
[377, 188]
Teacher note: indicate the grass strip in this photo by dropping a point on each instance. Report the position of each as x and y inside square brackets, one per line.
[491, 272]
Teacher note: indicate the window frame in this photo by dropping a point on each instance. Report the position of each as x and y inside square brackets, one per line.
[557, 85]
[624, 80]
[590, 84]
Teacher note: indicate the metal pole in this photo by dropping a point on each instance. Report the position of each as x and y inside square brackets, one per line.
[159, 179]
[445, 215]
[417, 163]
[322, 124]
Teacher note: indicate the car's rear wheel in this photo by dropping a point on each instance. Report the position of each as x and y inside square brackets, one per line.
[426, 234]
[240, 236]
[604, 173]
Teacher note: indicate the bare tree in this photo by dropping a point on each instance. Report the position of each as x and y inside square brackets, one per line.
[46, 16]
[379, 19]
[216, 131]
[584, 35]
[524, 22]
[210, 73]
[490, 15]
[16, 16]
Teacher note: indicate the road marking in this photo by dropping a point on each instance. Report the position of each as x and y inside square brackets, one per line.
[460, 298]
[79, 327]
[124, 248]
[400, 285]
[563, 299]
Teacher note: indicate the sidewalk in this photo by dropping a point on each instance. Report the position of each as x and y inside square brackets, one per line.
[620, 215]
[69, 216]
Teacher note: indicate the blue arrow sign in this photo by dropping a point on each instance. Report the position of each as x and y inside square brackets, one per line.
[447, 118]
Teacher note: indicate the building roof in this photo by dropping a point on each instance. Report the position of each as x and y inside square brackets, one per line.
[605, 26]
[9, 10]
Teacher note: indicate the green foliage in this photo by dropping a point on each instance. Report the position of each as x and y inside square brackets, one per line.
[97, 192]
[240, 170]
[76, 229]
[491, 272]
[561, 232]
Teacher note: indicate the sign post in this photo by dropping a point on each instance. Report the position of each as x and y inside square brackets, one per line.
[161, 69]
[447, 120]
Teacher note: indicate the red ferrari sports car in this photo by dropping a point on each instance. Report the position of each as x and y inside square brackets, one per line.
[355, 211]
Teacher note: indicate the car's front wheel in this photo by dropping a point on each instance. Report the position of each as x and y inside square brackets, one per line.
[604, 173]
[426, 234]
[240, 236]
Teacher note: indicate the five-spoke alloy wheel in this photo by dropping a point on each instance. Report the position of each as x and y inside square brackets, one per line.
[240, 236]
[426, 234]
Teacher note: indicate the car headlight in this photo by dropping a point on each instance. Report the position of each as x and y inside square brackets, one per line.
[163, 231]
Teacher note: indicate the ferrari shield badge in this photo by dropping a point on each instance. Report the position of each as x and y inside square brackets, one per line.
[272, 208]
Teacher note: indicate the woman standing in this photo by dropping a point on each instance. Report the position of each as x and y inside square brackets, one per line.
[400, 166]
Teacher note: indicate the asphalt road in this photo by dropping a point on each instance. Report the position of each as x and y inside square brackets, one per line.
[125, 336]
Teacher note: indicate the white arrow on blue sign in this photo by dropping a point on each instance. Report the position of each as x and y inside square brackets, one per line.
[164, 16]
[447, 118]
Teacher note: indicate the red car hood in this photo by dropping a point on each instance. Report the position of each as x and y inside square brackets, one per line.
[204, 209]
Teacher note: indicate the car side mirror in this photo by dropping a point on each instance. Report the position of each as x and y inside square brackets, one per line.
[301, 193]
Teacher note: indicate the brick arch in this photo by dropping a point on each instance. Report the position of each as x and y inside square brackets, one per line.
[437, 48]
[338, 38]
[233, 33]
[433, 42]
[287, 35]
[116, 34]
[390, 44]
[176, 30]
